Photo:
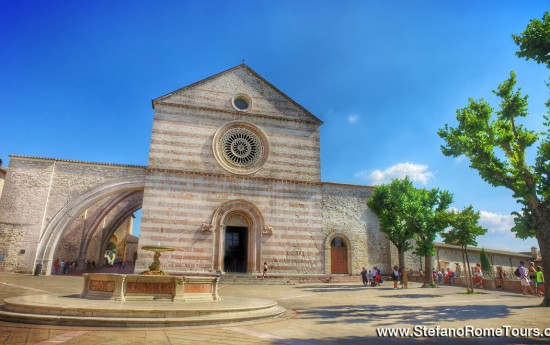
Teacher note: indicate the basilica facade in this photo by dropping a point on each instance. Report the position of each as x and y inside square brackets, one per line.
[233, 181]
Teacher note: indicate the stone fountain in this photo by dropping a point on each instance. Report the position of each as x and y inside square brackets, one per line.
[154, 269]
[145, 299]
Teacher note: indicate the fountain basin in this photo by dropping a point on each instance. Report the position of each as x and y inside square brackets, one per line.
[133, 287]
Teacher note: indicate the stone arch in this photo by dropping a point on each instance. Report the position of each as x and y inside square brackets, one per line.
[73, 209]
[111, 227]
[255, 222]
[348, 244]
[114, 224]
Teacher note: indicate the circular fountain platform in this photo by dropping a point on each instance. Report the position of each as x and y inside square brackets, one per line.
[73, 310]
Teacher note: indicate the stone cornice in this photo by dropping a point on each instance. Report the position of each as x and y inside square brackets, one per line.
[234, 112]
[140, 167]
[234, 177]
[351, 185]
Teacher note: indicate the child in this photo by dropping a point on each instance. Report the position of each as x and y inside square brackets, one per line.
[404, 279]
[540, 282]
[499, 277]
[369, 277]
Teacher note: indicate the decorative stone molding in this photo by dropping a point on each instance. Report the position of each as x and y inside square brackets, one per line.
[267, 230]
[206, 227]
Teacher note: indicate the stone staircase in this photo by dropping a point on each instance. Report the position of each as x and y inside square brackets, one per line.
[285, 279]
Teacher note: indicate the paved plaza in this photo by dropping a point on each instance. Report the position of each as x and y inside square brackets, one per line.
[343, 313]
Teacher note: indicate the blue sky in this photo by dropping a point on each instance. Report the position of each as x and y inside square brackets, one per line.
[77, 79]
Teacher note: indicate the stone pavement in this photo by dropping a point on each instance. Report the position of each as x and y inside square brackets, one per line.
[344, 313]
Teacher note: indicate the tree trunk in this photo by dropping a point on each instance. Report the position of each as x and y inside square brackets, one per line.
[401, 254]
[469, 283]
[428, 278]
[469, 274]
[541, 221]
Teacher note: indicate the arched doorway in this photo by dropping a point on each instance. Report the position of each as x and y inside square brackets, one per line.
[237, 226]
[235, 254]
[236, 244]
[338, 256]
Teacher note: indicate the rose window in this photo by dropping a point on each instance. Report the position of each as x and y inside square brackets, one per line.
[240, 147]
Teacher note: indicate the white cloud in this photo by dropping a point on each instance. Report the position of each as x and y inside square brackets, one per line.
[496, 223]
[415, 172]
[353, 119]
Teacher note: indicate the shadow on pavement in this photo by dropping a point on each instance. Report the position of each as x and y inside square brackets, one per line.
[423, 341]
[416, 295]
[387, 316]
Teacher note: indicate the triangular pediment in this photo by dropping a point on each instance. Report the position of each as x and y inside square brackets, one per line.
[218, 91]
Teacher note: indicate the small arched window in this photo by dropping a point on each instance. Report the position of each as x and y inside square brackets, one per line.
[337, 242]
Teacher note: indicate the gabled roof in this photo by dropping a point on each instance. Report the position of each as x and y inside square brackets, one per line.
[245, 67]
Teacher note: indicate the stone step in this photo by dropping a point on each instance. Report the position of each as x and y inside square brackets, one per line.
[74, 311]
[245, 279]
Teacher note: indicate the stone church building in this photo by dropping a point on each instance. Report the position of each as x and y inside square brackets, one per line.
[233, 180]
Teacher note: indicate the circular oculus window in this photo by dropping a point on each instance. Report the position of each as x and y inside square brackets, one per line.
[241, 102]
[240, 148]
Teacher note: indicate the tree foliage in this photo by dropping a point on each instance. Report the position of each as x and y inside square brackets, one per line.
[463, 231]
[534, 42]
[496, 144]
[463, 228]
[406, 212]
[484, 261]
[426, 216]
[389, 203]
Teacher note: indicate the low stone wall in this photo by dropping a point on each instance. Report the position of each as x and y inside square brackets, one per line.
[511, 285]
[127, 287]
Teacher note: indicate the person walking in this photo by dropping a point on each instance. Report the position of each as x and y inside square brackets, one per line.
[370, 278]
[364, 276]
[524, 278]
[404, 279]
[265, 270]
[540, 282]
[533, 275]
[395, 276]
[499, 277]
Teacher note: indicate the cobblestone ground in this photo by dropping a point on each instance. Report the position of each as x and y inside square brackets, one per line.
[316, 314]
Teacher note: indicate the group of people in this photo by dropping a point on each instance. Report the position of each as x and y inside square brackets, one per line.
[528, 275]
[373, 277]
[444, 277]
[64, 267]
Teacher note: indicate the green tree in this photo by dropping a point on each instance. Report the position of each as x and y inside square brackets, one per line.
[534, 42]
[485, 262]
[389, 203]
[463, 231]
[497, 146]
[426, 216]
[496, 149]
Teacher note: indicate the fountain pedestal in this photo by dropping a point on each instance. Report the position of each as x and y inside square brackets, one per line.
[132, 287]
[154, 268]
